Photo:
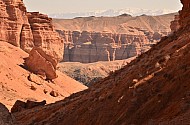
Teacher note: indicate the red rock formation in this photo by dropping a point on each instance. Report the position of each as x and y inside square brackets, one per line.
[153, 89]
[44, 35]
[184, 13]
[14, 25]
[88, 47]
[175, 24]
[26, 30]
[40, 63]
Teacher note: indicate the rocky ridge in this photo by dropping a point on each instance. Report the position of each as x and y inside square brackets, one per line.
[152, 89]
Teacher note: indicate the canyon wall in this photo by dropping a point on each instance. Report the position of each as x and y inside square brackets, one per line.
[184, 14]
[92, 39]
[26, 30]
[88, 47]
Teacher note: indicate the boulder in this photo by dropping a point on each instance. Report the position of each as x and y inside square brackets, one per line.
[54, 93]
[41, 63]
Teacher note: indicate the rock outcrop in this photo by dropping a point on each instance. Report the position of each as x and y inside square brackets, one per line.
[153, 89]
[14, 25]
[44, 35]
[184, 13]
[26, 30]
[88, 47]
[175, 24]
[41, 63]
[20, 105]
[5, 117]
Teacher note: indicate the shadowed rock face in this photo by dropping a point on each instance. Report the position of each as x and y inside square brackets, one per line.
[153, 89]
[5, 117]
[184, 13]
[20, 105]
[175, 24]
[26, 30]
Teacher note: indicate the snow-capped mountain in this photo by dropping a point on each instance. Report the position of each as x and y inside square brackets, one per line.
[111, 13]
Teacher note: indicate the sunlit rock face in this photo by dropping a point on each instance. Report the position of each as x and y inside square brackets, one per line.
[88, 47]
[26, 30]
[92, 39]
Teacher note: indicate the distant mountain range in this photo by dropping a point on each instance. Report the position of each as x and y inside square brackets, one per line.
[111, 13]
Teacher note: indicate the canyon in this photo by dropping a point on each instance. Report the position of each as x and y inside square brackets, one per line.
[93, 39]
[152, 89]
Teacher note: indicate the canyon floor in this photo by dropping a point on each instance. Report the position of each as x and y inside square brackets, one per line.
[89, 73]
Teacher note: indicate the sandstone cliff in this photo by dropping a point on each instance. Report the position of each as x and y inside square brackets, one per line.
[93, 39]
[45, 36]
[152, 90]
[88, 47]
[26, 30]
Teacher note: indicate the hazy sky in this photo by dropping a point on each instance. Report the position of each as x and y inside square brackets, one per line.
[60, 6]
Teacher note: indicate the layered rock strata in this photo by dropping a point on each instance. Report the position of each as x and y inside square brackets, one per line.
[44, 35]
[26, 30]
[88, 47]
